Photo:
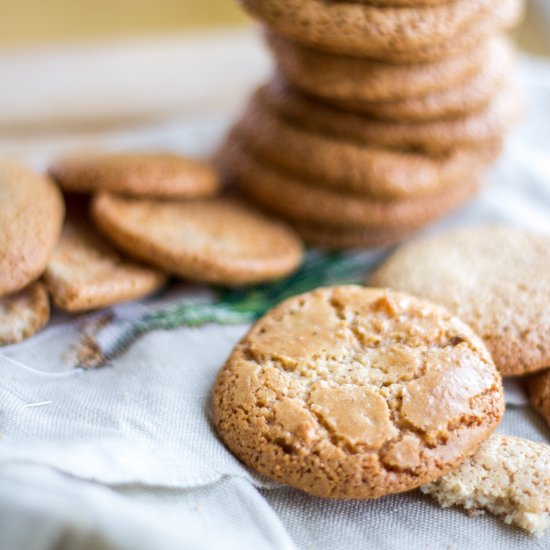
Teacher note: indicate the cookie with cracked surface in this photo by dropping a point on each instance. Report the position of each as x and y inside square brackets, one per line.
[303, 201]
[355, 393]
[23, 314]
[31, 215]
[495, 278]
[538, 387]
[345, 79]
[160, 175]
[86, 273]
[508, 476]
[217, 241]
[471, 96]
[359, 29]
[356, 168]
[432, 136]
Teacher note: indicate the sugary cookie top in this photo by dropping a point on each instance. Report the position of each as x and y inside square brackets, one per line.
[347, 372]
[495, 278]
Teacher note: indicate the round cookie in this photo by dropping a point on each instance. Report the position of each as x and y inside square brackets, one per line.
[160, 175]
[303, 201]
[333, 238]
[216, 241]
[355, 393]
[538, 387]
[31, 215]
[433, 136]
[338, 78]
[495, 278]
[349, 28]
[86, 273]
[347, 166]
[23, 314]
[466, 98]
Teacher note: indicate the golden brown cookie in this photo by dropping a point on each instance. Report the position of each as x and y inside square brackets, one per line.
[463, 99]
[159, 175]
[346, 79]
[432, 136]
[23, 314]
[31, 215]
[86, 273]
[355, 393]
[538, 386]
[216, 241]
[507, 14]
[302, 201]
[358, 29]
[333, 238]
[347, 166]
[508, 476]
[495, 278]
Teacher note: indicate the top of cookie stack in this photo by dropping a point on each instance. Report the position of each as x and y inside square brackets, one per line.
[382, 115]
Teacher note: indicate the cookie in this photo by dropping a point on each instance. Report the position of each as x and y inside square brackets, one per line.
[461, 100]
[355, 393]
[348, 166]
[86, 273]
[358, 29]
[538, 386]
[159, 175]
[506, 15]
[332, 238]
[338, 78]
[216, 241]
[302, 201]
[508, 476]
[433, 136]
[495, 278]
[31, 215]
[23, 314]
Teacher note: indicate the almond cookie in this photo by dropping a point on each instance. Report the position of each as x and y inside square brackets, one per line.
[216, 241]
[159, 175]
[468, 97]
[432, 136]
[348, 166]
[344, 79]
[358, 29]
[495, 278]
[302, 201]
[86, 273]
[333, 238]
[31, 215]
[505, 15]
[538, 387]
[355, 393]
[508, 476]
[23, 314]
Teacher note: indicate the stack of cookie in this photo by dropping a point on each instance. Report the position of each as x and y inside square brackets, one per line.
[382, 115]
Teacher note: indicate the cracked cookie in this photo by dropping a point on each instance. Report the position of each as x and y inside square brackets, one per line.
[538, 387]
[495, 278]
[352, 392]
[508, 476]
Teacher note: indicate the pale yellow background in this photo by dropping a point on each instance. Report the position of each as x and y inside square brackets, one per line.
[36, 22]
[26, 22]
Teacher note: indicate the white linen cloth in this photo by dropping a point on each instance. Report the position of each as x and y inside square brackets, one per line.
[125, 457]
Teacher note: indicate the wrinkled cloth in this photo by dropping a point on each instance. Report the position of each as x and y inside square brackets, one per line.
[125, 457]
